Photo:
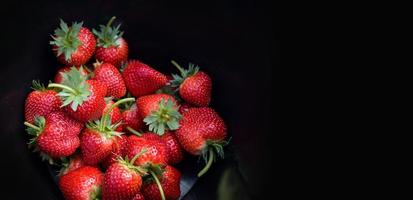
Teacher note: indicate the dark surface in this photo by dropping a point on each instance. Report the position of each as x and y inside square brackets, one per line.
[233, 41]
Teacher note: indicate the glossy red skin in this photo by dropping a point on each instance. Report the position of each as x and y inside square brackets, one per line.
[184, 107]
[156, 150]
[94, 146]
[121, 183]
[58, 77]
[59, 137]
[80, 183]
[175, 154]
[75, 162]
[138, 196]
[92, 107]
[196, 89]
[83, 53]
[149, 103]
[197, 126]
[132, 118]
[140, 79]
[111, 77]
[41, 103]
[118, 149]
[114, 55]
[115, 114]
[170, 181]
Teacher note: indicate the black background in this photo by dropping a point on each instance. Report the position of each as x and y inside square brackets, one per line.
[233, 41]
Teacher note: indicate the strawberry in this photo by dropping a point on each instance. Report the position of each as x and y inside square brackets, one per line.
[118, 149]
[55, 135]
[122, 180]
[40, 102]
[160, 112]
[202, 131]
[97, 139]
[169, 182]
[132, 119]
[194, 86]
[111, 47]
[111, 77]
[140, 79]
[138, 197]
[175, 154]
[73, 45]
[156, 150]
[85, 97]
[70, 164]
[82, 184]
[184, 107]
[58, 78]
[115, 115]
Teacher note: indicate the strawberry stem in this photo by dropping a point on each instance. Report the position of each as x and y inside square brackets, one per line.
[56, 85]
[137, 156]
[110, 22]
[133, 131]
[208, 165]
[106, 114]
[159, 185]
[32, 126]
[178, 66]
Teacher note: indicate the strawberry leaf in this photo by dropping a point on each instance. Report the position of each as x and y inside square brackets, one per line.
[66, 39]
[108, 36]
[165, 118]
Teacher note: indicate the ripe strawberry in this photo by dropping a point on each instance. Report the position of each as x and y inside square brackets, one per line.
[58, 78]
[194, 86]
[40, 102]
[140, 79]
[132, 119]
[175, 154]
[111, 47]
[97, 139]
[138, 197]
[118, 149]
[73, 45]
[111, 77]
[70, 164]
[160, 112]
[156, 150]
[170, 183]
[85, 97]
[122, 180]
[115, 115]
[55, 135]
[82, 184]
[203, 132]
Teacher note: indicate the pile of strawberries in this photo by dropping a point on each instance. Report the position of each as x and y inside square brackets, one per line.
[118, 126]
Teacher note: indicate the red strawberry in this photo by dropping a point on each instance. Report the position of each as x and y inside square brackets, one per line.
[132, 119]
[156, 150]
[175, 154]
[140, 79]
[111, 47]
[170, 182]
[138, 197]
[122, 180]
[40, 102]
[159, 112]
[202, 131]
[71, 164]
[85, 97]
[55, 135]
[111, 77]
[58, 78]
[82, 184]
[74, 45]
[97, 139]
[118, 149]
[194, 86]
[115, 114]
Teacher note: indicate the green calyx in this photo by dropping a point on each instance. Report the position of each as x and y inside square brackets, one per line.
[185, 73]
[165, 118]
[212, 150]
[66, 39]
[36, 85]
[96, 193]
[108, 36]
[130, 163]
[75, 89]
